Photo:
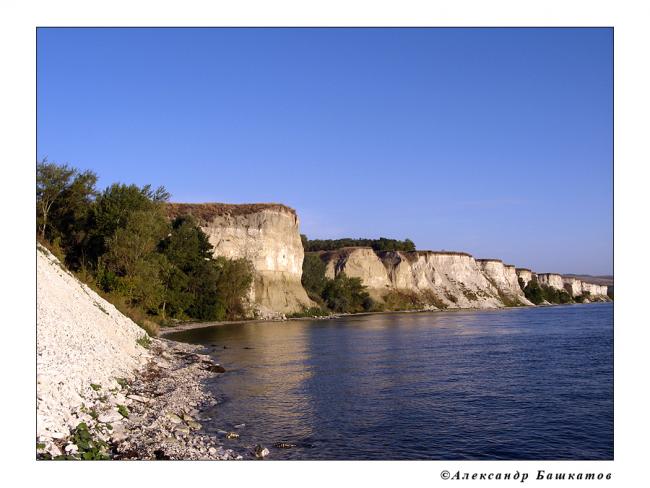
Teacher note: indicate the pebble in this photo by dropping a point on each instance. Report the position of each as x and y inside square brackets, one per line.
[139, 398]
[174, 418]
[261, 452]
[112, 416]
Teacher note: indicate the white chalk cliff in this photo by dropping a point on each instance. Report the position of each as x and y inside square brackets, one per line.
[268, 236]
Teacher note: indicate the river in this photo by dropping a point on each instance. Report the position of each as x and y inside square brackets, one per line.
[525, 383]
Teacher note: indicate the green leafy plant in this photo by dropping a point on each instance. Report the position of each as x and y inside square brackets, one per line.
[123, 411]
[89, 447]
[144, 341]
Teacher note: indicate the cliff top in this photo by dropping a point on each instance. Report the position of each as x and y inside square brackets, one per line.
[208, 211]
[446, 253]
[524, 269]
[349, 249]
[489, 260]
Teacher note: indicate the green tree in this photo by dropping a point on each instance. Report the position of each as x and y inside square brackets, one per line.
[381, 244]
[235, 279]
[189, 257]
[131, 265]
[113, 209]
[346, 295]
[63, 198]
[534, 292]
[313, 276]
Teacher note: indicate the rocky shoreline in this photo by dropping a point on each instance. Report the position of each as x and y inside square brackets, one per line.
[157, 415]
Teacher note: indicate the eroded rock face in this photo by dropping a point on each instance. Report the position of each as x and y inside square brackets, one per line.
[358, 262]
[456, 278]
[450, 280]
[504, 278]
[551, 279]
[525, 274]
[268, 236]
[573, 286]
[594, 290]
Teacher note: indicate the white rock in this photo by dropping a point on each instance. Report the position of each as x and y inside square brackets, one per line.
[111, 416]
[71, 448]
[139, 398]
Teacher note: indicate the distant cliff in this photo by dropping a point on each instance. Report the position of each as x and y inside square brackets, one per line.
[448, 279]
[266, 234]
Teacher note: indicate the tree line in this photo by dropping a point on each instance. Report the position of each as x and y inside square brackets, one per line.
[121, 242]
[381, 244]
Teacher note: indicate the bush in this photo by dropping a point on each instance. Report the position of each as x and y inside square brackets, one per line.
[537, 293]
[346, 295]
[403, 300]
[533, 292]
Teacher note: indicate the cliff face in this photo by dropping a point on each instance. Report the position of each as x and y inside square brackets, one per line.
[504, 277]
[525, 274]
[446, 279]
[551, 279]
[454, 280]
[574, 286]
[268, 236]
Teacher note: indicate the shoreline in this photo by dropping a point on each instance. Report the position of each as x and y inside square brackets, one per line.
[157, 415]
[168, 330]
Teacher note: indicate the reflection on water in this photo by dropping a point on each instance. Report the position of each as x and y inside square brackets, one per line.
[509, 384]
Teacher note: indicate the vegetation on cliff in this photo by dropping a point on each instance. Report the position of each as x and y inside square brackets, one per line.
[537, 293]
[341, 294]
[381, 244]
[121, 242]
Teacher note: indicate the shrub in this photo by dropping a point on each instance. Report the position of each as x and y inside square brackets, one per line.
[346, 295]
[534, 292]
[144, 341]
[403, 300]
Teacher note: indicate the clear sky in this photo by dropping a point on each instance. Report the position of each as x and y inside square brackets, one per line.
[496, 142]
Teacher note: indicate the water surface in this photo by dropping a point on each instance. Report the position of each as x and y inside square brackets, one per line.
[529, 383]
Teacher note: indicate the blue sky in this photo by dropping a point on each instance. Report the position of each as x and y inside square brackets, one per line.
[496, 142]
